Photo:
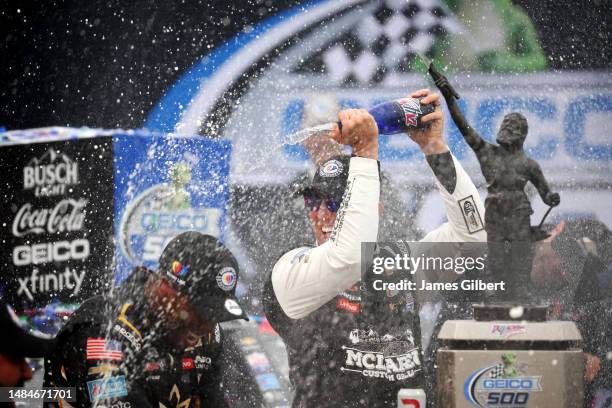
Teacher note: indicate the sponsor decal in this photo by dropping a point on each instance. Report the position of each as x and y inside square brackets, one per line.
[118, 404]
[248, 341]
[129, 336]
[47, 252]
[175, 395]
[412, 110]
[345, 304]
[151, 366]
[202, 362]
[102, 349]
[67, 215]
[178, 271]
[104, 369]
[258, 362]
[506, 330]
[50, 282]
[331, 168]
[267, 382]
[51, 174]
[226, 278]
[232, 306]
[392, 357]
[112, 387]
[471, 216]
[161, 212]
[301, 254]
[217, 333]
[502, 384]
[188, 364]
[346, 197]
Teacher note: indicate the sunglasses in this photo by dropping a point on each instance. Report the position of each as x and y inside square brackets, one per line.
[313, 203]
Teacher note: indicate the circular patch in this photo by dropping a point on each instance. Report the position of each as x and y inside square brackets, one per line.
[233, 307]
[226, 278]
[331, 168]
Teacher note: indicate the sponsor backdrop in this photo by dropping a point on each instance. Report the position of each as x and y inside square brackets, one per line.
[245, 72]
[74, 194]
[57, 223]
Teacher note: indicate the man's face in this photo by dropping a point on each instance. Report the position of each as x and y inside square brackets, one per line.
[14, 372]
[322, 214]
[184, 323]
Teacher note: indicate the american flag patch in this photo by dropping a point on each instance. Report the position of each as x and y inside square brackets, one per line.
[102, 349]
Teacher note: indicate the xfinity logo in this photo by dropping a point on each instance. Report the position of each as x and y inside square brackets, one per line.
[50, 174]
[51, 282]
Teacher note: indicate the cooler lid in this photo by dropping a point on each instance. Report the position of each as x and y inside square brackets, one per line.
[471, 330]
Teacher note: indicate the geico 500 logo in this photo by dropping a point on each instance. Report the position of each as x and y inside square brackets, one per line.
[46, 252]
[152, 219]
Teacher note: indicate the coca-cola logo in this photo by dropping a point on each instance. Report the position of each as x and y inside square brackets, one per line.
[66, 216]
[50, 174]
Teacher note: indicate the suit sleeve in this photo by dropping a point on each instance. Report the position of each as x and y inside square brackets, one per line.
[462, 203]
[306, 278]
[70, 367]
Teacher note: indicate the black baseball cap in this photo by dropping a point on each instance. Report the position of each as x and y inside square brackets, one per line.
[203, 269]
[18, 342]
[329, 180]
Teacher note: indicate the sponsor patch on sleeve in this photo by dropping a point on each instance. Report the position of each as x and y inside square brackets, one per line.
[110, 387]
[471, 216]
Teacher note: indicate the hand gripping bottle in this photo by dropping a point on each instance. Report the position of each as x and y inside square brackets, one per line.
[391, 117]
[400, 115]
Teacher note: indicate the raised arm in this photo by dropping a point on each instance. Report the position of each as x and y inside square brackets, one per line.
[464, 209]
[306, 278]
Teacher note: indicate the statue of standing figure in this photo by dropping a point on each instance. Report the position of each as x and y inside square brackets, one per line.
[506, 169]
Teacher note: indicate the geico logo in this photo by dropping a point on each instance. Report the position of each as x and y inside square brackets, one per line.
[377, 361]
[50, 252]
[173, 221]
[64, 173]
[510, 384]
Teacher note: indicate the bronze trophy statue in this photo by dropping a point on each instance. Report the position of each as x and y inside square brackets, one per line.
[506, 169]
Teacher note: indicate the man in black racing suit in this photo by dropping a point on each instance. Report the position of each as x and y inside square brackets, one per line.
[156, 341]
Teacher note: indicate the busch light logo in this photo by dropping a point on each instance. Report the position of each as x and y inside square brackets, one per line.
[50, 174]
[502, 384]
[160, 213]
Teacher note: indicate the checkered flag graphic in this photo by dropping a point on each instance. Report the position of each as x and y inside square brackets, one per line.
[381, 43]
[497, 371]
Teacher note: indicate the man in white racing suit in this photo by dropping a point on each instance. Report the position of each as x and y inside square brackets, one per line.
[341, 353]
